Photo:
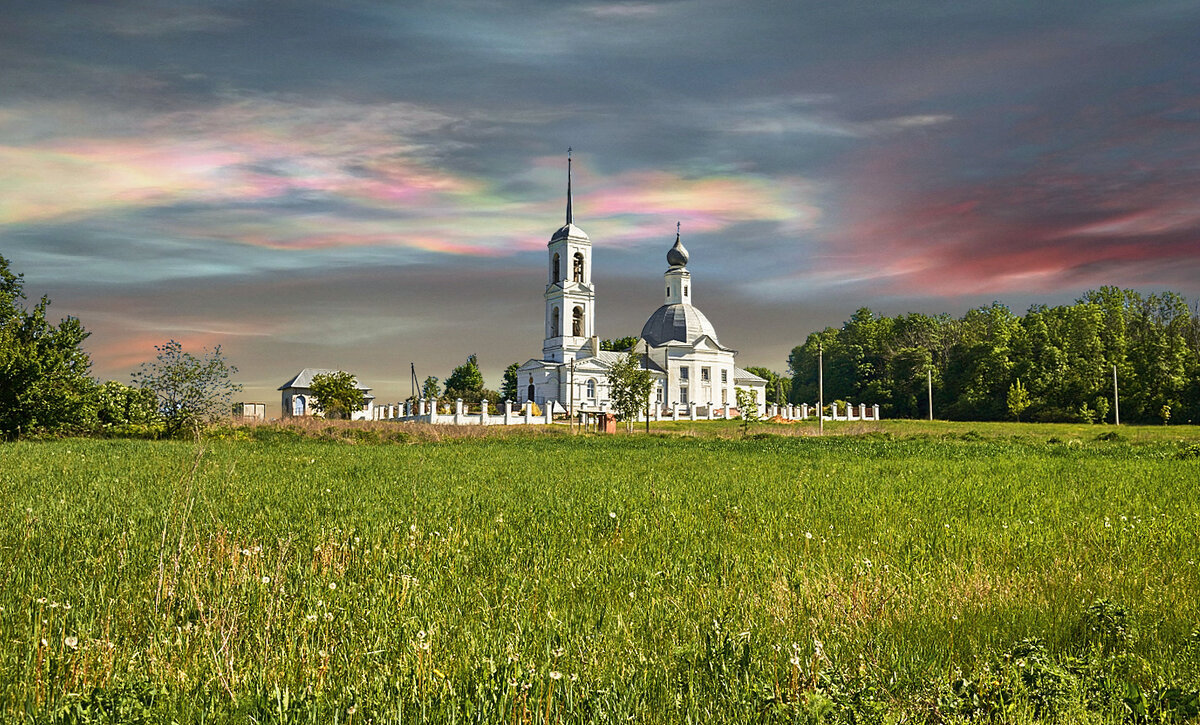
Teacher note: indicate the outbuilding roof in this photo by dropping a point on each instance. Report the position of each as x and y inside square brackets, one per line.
[303, 379]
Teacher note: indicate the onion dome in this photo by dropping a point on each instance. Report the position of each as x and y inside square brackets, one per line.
[677, 255]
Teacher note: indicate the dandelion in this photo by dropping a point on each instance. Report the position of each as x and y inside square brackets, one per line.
[808, 535]
[612, 514]
[556, 675]
[352, 709]
[266, 580]
[332, 585]
[245, 552]
[71, 641]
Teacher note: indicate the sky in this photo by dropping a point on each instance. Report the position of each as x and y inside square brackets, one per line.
[364, 185]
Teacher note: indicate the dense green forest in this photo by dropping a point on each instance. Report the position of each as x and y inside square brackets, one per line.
[1062, 356]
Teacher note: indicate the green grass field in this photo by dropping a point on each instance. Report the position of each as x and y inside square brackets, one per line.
[916, 571]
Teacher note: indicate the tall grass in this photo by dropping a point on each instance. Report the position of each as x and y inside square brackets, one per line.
[547, 578]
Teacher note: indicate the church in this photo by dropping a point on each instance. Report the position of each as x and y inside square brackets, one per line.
[678, 345]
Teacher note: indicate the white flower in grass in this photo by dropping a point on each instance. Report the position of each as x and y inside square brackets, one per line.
[795, 660]
[310, 618]
[556, 675]
[574, 678]
[333, 585]
[412, 528]
[266, 580]
[352, 709]
[808, 535]
[72, 641]
[612, 514]
[557, 652]
[328, 616]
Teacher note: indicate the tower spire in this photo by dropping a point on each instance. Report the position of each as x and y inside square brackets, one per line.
[569, 219]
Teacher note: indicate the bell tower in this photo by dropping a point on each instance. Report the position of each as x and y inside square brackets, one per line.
[570, 296]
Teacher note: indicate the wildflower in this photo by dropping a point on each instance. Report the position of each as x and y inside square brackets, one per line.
[266, 580]
[612, 514]
[631, 595]
[412, 528]
[557, 652]
[245, 552]
[574, 678]
[71, 641]
[310, 618]
[332, 585]
[352, 709]
[45, 643]
[808, 535]
[795, 660]
[41, 600]
[328, 616]
[421, 634]
[556, 675]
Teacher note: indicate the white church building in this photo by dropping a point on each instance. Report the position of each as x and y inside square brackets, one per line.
[678, 345]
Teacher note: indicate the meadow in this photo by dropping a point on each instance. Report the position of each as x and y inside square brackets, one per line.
[376, 573]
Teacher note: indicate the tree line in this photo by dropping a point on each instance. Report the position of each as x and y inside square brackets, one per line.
[1050, 364]
[46, 386]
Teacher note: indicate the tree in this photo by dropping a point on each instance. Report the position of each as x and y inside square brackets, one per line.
[338, 394]
[748, 406]
[510, 389]
[430, 389]
[118, 405]
[779, 387]
[619, 344]
[629, 386]
[1018, 399]
[191, 391]
[466, 382]
[44, 381]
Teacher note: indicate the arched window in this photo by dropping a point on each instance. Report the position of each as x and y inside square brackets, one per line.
[591, 388]
[579, 266]
[577, 322]
[555, 270]
[298, 405]
[529, 391]
[554, 322]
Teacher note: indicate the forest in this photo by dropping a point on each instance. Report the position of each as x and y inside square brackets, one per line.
[1051, 364]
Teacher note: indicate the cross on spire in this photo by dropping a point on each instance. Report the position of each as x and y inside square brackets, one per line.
[676, 230]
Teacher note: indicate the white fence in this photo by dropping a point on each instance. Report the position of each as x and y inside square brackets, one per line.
[423, 411]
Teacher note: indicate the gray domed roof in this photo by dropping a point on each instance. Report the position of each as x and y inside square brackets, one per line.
[677, 255]
[678, 322]
[569, 230]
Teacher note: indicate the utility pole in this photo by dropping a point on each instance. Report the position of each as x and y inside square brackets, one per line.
[1116, 399]
[651, 387]
[929, 373]
[820, 389]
